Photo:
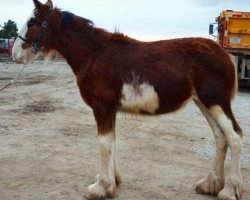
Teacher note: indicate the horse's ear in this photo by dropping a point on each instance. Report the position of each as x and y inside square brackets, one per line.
[49, 3]
[38, 4]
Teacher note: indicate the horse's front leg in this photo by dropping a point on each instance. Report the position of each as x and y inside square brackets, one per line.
[105, 185]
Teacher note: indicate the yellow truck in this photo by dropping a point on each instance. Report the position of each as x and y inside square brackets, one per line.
[233, 34]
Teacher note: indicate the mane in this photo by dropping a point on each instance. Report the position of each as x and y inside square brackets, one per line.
[83, 26]
[67, 19]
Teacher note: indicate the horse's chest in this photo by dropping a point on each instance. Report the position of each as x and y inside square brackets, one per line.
[140, 98]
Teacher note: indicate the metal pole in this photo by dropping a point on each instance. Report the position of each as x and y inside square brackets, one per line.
[243, 68]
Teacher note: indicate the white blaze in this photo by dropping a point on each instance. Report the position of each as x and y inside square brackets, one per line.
[18, 52]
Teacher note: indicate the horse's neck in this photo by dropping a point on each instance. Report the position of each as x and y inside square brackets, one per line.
[77, 49]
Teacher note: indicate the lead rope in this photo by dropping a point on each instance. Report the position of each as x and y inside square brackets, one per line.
[13, 80]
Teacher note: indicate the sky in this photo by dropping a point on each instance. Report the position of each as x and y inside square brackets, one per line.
[142, 19]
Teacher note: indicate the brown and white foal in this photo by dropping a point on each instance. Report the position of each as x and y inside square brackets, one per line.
[117, 73]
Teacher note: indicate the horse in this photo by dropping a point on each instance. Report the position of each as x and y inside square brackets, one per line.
[116, 73]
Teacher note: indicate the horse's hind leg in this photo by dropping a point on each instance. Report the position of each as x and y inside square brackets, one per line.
[215, 179]
[224, 117]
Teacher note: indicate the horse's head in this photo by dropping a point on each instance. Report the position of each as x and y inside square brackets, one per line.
[34, 35]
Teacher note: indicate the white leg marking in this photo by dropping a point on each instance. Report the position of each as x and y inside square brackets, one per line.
[232, 137]
[107, 148]
[105, 185]
[136, 98]
[233, 188]
[215, 179]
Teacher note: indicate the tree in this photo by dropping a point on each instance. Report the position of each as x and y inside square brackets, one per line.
[9, 30]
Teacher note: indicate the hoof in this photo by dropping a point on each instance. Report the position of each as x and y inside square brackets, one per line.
[95, 191]
[100, 190]
[212, 184]
[231, 192]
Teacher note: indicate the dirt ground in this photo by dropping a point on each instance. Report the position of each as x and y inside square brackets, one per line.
[49, 145]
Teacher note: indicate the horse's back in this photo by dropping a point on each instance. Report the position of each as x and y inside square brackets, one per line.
[181, 68]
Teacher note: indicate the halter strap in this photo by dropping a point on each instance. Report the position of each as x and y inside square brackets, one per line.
[26, 41]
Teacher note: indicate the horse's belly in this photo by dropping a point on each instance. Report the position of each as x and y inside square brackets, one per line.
[138, 99]
[144, 99]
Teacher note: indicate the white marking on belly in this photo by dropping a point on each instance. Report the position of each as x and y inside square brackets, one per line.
[136, 98]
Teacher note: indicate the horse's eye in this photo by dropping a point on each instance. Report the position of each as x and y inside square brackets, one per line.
[30, 24]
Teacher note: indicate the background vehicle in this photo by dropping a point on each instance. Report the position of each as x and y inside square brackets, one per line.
[6, 45]
[233, 34]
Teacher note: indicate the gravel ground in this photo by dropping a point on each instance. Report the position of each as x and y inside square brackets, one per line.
[49, 146]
